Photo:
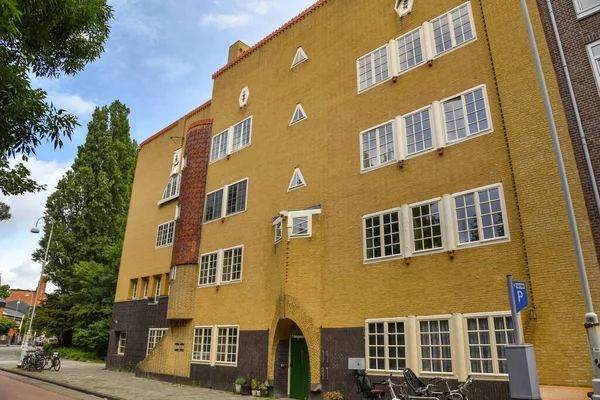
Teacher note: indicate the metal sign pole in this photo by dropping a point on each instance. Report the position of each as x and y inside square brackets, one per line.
[513, 309]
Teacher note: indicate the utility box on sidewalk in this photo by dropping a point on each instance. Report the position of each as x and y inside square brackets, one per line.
[522, 372]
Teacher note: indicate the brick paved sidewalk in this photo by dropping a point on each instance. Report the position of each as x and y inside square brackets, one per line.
[121, 385]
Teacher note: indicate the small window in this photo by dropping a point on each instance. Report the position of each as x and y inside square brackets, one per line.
[278, 225]
[585, 8]
[178, 211]
[373, 68]
[227, 342]
[157, 291]
[176, 162]
[436, 353]
[232, 265]
[426, 227]
[377, 146]
[299, 115]
[300, 226]
[480, 215]
[202, 344]
[219, 146]
[241, 134]
[382, 235]
[299, 223]
[145, 288]
[172, 189]
[121, 344]
[410, 50]
[208, 269]
[154, 336]
[453, 29]
[594, 53]
[419, 133]
[165, 234]
[173, 273]
[214, 205]
[386, 345]
[299, 58]
[134, 284]
[297, 180]
[466, 115]
[236, 197]
[487, 338]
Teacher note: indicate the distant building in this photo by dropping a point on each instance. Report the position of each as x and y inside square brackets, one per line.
[18, 305]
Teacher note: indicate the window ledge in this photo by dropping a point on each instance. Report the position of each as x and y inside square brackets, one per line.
[473, 136]
[167, 200]
[162, 247]
[224, 364]
[482, 243]
[223, 218]
[388, 163]
[383, 259]
[200, 362]
[361, 91]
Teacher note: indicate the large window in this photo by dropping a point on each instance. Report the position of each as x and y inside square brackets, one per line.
[466, 114]
[241, 134]
[586, 7]
[154, 336]
[227, 343]
[480, 215]
[594, 53]
[453, 29]
[172, 189]
[221, 267]
[487, 338]
[410, 50]
[436, 353]
[377, 146]
[122, 342]
[426, 226]
[165, 234]
[373, 68]
[419, 132]
[219, 146]
[216, 345]
[232, 139]
[226, 201]
[386, 345]
[382, 235]
[202, 344]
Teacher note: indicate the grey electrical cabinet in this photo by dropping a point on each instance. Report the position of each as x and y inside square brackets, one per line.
[522, 372]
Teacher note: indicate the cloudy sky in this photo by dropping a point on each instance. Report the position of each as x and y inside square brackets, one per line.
[159, 61]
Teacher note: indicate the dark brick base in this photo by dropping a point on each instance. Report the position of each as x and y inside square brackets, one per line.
[135, 317]
[280, 383]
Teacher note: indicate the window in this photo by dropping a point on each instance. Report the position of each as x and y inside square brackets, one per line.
[586, 7]
[219, 146]
[404, 7]
[299, 115]
[300, 226]
[410, 51]
[386, 347]
[235, 195]
[134, 284]
[297, 180]
[165, 234]
[594, 52]
[202, 344]
[419, 134]
[436, 354]
[471, 105]
[173, 273]
[487, 337]
[373, 68]
[145, 288]
[241, 134]
[154, 336]
[178, 211]
[377, 146]
[299, 223]
[426, 226]
[299, 58]
[382, 235]
[176, 162]
[157, 291]
[172, 189]
[278, 224]
[480, 215]
[121, 344]
[221, 267]
[453, 29]
[227, 345]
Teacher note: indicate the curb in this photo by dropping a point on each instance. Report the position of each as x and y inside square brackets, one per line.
[67, 386]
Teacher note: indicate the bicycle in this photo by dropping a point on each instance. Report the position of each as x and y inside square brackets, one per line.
[430, 390]
[53, 362]
[34, 361]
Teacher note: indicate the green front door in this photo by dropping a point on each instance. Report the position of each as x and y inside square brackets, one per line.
[299, 369]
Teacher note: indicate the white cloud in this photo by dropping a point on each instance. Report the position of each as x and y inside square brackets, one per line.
[17, 243]
[226, 21]
[169, 68]
[73, 103]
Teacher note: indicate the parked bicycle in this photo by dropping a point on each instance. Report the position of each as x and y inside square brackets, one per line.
[423, 390]
[34, 361]
[52, 362]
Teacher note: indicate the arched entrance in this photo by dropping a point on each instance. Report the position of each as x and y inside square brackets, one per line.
[292, 361]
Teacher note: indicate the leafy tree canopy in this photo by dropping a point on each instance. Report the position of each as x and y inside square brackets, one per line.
[4, 291]
[6, 324]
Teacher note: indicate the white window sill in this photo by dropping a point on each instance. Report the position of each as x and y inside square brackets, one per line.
[381, 372]
[361, 91]
[433, 374]
[438, 55]
[383, 259]
[482, 243]
[162, 247]
[224, 364]
[222, 218]
[420, 153]
[428, 252]
[220, 284]
[167, 200]
[469, 137]
[365, 170]
[489, 377]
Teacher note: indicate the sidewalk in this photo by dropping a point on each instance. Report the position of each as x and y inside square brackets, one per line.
[120, 385]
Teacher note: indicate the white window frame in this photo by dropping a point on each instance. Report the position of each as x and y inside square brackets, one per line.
[134, 288]
[300, 214]
[364, 169]
[294, 121]
[161, 244]
[172, 189]
[401, 232]
[219, 269]
[225, 190]
[157, 288]
[146, 284]
[122, 343]
[407, 344]
[595, 61]
[433, 125]
[443, 223]
[214, 344]
[424, 44]
[173, 273]
[303, 184]
[176, 165]
[152, 340]
[371, 54]
[490, 316]
[583, 13]
[462, 95]
[452, 35]
[230, 131]
[481, 242]
[237, 344]
[438, 318]
[202, 343]
[304, 57]
[212, 146]
[278, 229]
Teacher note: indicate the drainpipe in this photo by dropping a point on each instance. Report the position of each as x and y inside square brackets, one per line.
[563, 61]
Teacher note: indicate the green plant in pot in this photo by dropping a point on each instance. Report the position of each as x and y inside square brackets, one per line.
[263, 390]
[254, 385]
[239, 382]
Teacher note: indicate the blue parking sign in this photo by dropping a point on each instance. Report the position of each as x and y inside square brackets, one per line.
[520, 291]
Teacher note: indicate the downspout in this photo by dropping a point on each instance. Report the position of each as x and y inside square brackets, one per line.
[575, 106]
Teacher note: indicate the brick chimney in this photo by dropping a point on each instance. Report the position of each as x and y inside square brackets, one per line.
[236, 49]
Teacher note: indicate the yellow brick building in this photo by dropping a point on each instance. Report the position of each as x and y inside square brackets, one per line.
[359, 187]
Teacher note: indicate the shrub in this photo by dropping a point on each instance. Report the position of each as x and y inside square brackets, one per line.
[240, 381]
[254, 384]
[333, 396]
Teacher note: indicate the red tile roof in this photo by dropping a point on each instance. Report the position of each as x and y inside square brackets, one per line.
[197, 110]
[272, 36]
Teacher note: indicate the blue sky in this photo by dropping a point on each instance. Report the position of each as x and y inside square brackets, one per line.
[158, 60]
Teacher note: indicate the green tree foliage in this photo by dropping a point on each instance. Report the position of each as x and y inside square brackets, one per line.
[89, 209]
[6, 324]
[4, 291]
[41, 38]
[4, 212]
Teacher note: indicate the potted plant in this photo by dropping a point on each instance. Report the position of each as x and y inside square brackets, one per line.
[263, 390]
[239, 382]
[254, 385]
[333, 396]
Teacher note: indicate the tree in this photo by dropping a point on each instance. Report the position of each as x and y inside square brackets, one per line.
[89, 209]
[4, 291]
[6, 324]
[42, 39]
[4, 212]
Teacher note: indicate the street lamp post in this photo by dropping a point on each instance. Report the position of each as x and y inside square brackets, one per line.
[592, 325]
[25, 341]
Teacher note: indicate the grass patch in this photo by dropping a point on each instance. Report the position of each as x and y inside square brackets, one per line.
[73, 353]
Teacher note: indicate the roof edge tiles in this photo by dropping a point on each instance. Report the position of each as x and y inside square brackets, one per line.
[272, 36]
[197, 110]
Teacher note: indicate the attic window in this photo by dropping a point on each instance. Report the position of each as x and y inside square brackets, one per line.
[297, 180]
[299, 115]
[299, 58]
